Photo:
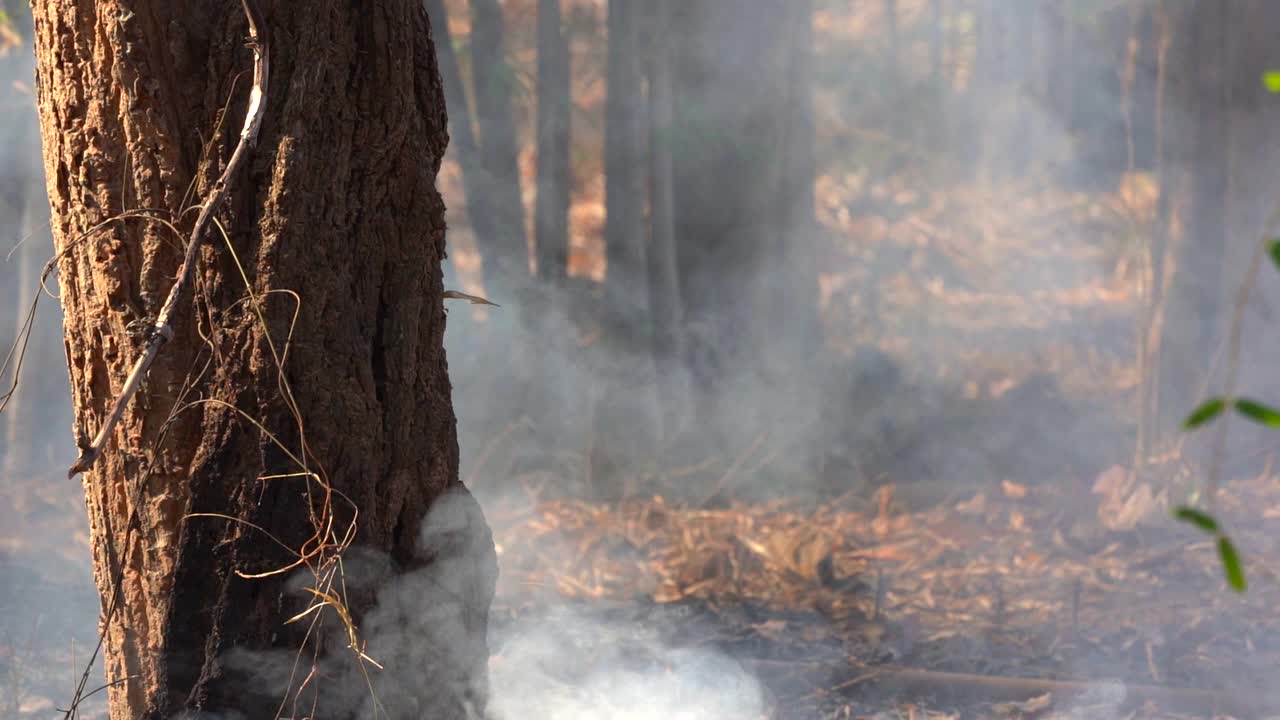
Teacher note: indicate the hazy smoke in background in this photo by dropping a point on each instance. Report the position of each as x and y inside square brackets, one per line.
[565, 664]
[48, 604]
[933, 138]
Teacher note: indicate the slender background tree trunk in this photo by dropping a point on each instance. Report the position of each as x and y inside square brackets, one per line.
[551, 217]
[475, 179]
[625, 416]
[666, 308]
[729, 131]
[937, 20]
[506, 254]
[1190, 338]
[892, 40]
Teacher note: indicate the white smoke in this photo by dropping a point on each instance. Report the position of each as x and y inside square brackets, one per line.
[570, 666]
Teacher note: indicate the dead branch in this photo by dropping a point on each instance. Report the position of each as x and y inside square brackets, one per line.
[956, 686]
[162, 331]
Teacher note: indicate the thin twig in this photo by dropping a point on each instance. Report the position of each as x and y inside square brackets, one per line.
[1233, 354]
[163, 329]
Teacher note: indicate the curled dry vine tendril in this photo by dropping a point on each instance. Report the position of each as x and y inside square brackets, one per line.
[163, 329]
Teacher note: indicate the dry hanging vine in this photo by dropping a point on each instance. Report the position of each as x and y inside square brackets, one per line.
[162, 331]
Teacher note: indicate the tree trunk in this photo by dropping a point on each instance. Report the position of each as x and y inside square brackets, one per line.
[624, 415]
[1063, 41]
[36, 407]
[990, 86]
[792, 294]
[1141, 113]
[1164, 151]
[791, 289]
[15, 280]
[1025, 53]
[19, 409]
[624, 177]
[731, 61]
[21, 415]
[890, 9]
[1250, 175]
[475, 181]
[551, 216]
[1190, 333]
[666, 309]
[338, 204]
[937, 40]
[506, 254]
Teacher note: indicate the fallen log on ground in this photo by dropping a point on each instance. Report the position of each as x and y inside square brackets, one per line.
[968, 688]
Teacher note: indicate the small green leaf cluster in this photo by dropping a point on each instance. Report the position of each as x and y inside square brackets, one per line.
[1250, 409]
[1227, 552]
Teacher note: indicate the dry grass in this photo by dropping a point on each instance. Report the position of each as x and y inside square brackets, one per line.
[1029, 573]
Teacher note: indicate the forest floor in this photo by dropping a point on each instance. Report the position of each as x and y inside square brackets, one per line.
[988, 598]
[857, 608]
[962, 595]
[1007, 602]
[984, 598]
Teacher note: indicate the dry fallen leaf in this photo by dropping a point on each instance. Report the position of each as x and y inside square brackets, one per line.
[1125, 502]
[771, 629]
[473, 299]
[881, 524]
[1013, 489]
[1033, 706]
[975, 505]
[798, 552]
[1017, 521]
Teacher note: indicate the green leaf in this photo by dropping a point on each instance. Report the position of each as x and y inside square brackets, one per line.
[1199, 518]
[1259, 413]
[1231, 564]
[1271, 81]
[1273, 249]
[1207, 411]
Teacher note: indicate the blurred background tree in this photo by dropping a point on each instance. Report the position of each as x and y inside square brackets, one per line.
[751, 248]
[697, 216]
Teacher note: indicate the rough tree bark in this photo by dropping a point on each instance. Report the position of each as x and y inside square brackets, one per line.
[339, 205]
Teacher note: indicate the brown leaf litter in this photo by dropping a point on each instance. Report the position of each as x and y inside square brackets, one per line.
[1022, 585]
